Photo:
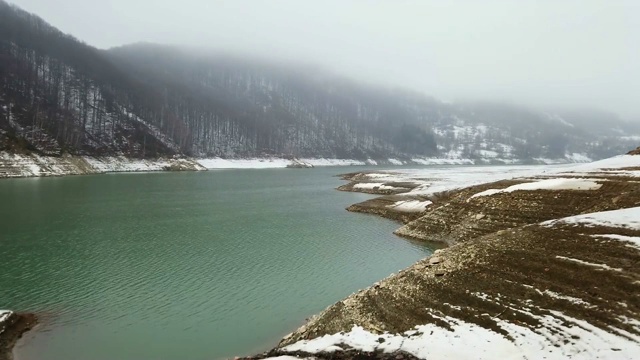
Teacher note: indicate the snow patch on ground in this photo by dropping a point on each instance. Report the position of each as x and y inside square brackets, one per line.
[622, 218]
[582, 262]
[631, 241]
[434, 180]
[555, 339]
[442, 161]
[548, 184]
[334, 162]
[4, 316]
[372, 186]
[410, 205]
[274, 163]
[616, 162]
[219, 163]
[570, 299]
[122, 164]
[15, 165]
[578, 158]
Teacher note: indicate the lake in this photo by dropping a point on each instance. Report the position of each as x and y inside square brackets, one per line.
[194, 265]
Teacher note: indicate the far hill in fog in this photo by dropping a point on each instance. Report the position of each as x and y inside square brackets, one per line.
[59, 95]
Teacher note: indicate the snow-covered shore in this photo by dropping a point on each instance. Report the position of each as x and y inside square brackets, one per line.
[33, 165]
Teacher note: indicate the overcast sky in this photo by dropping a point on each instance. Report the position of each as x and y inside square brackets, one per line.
[555, 52]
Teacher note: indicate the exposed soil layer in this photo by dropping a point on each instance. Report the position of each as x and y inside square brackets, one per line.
[15, 327]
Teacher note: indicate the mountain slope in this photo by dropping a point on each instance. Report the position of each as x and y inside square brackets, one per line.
[58, 95]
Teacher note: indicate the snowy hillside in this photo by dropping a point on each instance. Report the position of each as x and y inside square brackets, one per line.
[58, 95]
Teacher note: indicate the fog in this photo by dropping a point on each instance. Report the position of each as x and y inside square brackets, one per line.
[541, 53]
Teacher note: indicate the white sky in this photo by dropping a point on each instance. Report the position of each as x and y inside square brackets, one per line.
[562, 52]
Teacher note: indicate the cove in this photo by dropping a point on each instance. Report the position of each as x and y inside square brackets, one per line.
[184, 265]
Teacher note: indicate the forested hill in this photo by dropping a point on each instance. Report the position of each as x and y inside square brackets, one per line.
[59, 95]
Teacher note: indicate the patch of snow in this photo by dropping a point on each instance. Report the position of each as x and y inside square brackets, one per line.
[633, 322]
[379, 175]
[558, 337]
[622, 218]
[271, 163]
[490, 154]
[299, 164]
[548, 184]
[548, 161]
[410, 205]
[442, 161]
[570, 299]
[454, 307]
[334, 162]
[440, 179]
[376, 186]
[578, 158]
[631, 241]
[4, 316]
[616, 162]
[582, 262]
[255, 163]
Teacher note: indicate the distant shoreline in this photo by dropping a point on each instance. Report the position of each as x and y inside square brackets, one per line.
[13, 165]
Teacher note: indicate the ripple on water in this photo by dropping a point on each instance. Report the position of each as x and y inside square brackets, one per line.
[191, 265]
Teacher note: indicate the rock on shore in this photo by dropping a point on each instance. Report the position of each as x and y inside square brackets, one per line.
[12, 327]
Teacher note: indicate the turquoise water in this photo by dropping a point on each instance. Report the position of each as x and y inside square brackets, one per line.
[184, 265]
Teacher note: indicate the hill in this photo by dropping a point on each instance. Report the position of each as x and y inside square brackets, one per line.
[61, 96]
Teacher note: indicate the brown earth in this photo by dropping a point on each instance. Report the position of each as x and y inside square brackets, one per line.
[16, 326]
[461, 218]
[634, 152]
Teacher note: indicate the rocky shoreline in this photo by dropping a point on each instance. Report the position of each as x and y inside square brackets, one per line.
[542, 265]
[12, 327]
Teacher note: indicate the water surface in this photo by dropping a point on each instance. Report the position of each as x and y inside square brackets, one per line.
[184, 265]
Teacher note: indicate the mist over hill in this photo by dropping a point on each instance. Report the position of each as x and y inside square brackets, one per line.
[59, 95]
